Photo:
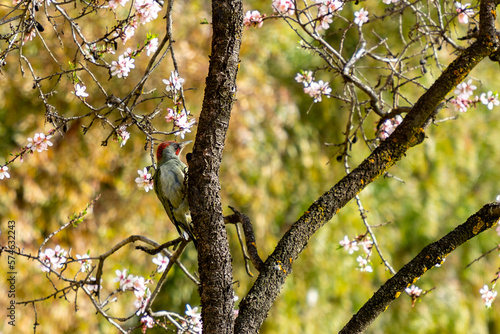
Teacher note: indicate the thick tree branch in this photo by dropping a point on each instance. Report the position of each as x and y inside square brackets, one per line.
[255, 306]
[214, 258]
[431, 255]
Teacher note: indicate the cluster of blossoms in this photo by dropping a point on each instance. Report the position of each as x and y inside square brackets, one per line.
[352, 246]
[138, 285]
[193, 321]
[464, 12]
[122, 135]
[253, 19]
[146, 10]
[487, 296]
[314, 89]
[465, 99]
[122, 67]
[326, 10]
[180, 117]
[144, 180]
[284, 7]
[56, 259]
[147, 322]
[39, 143]
[113, 4]
[388, 127]
[464, 91]
[52, 257]
[181, 121]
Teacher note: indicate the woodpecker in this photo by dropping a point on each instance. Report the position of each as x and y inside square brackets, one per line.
[170, 186]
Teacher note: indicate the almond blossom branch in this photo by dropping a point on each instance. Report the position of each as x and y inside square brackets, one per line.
[431, 255]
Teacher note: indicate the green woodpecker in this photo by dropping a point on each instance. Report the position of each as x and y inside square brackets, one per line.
[170, 186]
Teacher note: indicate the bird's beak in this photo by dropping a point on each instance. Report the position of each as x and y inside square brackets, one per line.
[184, 143]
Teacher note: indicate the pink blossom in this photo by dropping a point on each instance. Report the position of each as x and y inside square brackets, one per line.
[184, 124]
[306, 77]
[317, 89]
[4, 173]
[462, 103]
[253, 19]
[126, 281]
[171, 116]
[174, 83]
[123, 135]
[80, 91]
[46, 259]
[127, 33]
[367, 246]
[152, 46]
[487, 296]
[194, 317]
[139, 286]
[144, 180]
[489, 99]
[363, 264]
[122, 67]
[52, 257]
[59, 258]
[361, 17]
[284, 7]
[324, 21]
[463, 12]
[388, 127]
[327, 7]
[114, 3]
[147, 10]
[465, 89]
[40, 142]
[350, 246]
[85, 262]
[142, 293]
[147, 322]
[162, 262]
[413, 291]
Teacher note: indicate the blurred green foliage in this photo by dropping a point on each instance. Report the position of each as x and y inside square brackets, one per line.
[275, 165]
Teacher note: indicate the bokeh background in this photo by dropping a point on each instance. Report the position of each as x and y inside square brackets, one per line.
[275, 165]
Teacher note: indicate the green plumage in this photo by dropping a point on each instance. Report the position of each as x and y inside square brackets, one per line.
[170, 186]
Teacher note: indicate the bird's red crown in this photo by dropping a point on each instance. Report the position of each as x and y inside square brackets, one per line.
[161, 147]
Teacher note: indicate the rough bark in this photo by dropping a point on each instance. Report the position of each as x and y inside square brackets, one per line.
[214, 258]
[255, 306]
